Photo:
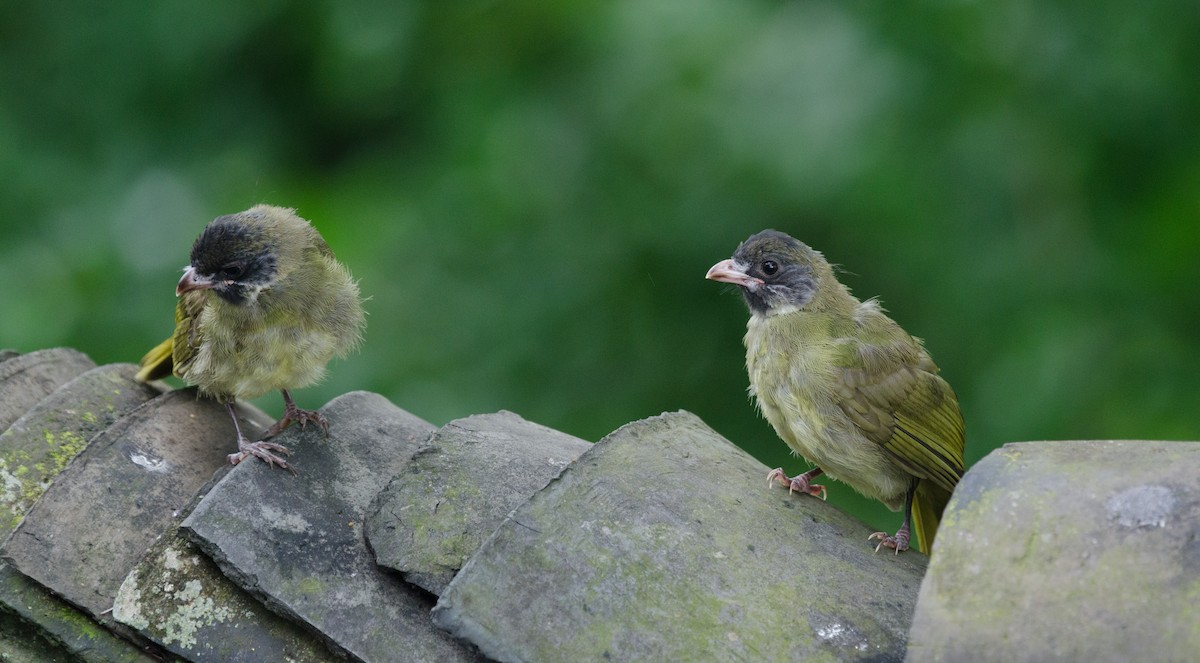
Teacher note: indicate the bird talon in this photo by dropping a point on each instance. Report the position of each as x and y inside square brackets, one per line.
[262, 450]
[305, 416]
[777, 475]
[898, 543]
[798, 484]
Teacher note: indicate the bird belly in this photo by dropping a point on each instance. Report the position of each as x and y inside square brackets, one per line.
[805, 415]
[257, 356]
[844, 454]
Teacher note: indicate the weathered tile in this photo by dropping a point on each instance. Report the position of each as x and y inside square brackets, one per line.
[296, 542]
[436, 513]
[179, 599]
[38, 616]
[663, 543]
[19, 644]
[33, 450]
[1088, 550]
[91, 526]
[28, 378]
[36, 447]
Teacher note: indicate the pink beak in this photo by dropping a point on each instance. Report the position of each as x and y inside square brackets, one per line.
[192, 281]
[729, 272]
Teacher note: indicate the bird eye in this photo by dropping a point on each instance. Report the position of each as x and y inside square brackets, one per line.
[231, 272]
[769, 267]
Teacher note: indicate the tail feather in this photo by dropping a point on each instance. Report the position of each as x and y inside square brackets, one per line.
[158, 363]
[928, 503]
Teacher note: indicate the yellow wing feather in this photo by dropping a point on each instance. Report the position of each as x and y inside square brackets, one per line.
[894, 396]
[157, 363]
[174, 354]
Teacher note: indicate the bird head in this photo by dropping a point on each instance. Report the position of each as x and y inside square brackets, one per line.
[776, 273]
[236, 256]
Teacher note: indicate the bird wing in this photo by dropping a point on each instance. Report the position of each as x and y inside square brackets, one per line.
[893, 393]
[175, 353]
[186, 340]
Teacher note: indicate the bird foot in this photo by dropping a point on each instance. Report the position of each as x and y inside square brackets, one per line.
[304, 417]
[899, 543]
[799, 484]
[261, 450]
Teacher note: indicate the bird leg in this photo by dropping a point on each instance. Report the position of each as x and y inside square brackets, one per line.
[262, 450]
[292, 413]
[798, 484]
[899, 543]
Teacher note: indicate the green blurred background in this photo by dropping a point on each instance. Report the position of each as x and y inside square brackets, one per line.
[531, 192]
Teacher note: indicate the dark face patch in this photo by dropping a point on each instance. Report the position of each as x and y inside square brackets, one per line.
[785, 267]
[236, 256]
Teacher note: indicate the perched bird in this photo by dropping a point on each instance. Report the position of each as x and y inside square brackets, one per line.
[845, 386]
[263, 305]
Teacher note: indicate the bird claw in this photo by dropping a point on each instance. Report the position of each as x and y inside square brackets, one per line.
[304, 417]
[776, 475]
[262, 450]
[899, 543]
[798, 484]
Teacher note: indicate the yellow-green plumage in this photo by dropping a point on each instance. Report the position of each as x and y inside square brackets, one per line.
[844, 386]
[263, 306]
[157, 363]
[282, 339]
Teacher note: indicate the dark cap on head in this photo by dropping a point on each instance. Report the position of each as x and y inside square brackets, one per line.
[235, 254]
[774, 271]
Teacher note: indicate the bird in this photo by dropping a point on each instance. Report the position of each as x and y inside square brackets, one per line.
[845, 386]
[262, 306]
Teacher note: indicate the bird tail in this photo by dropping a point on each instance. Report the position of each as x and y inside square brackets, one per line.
[928, 503]
[158, 363]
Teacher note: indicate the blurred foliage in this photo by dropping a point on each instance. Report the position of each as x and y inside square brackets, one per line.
[531, 192]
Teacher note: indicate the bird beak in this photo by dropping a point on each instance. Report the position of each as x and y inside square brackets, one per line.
[192, 281]
[728, 271]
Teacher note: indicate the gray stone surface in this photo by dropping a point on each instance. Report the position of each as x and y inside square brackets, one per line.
[37, 446]
[663, 543]
[179, 599]
[18, 644]
[436, 513]
[296, 542]
[31, 614]
[1073, 551]
[27, 379]
[33, 450]
[91, 526]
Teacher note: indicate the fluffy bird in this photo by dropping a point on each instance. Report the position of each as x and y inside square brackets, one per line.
[263, 306]
[845, 387]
